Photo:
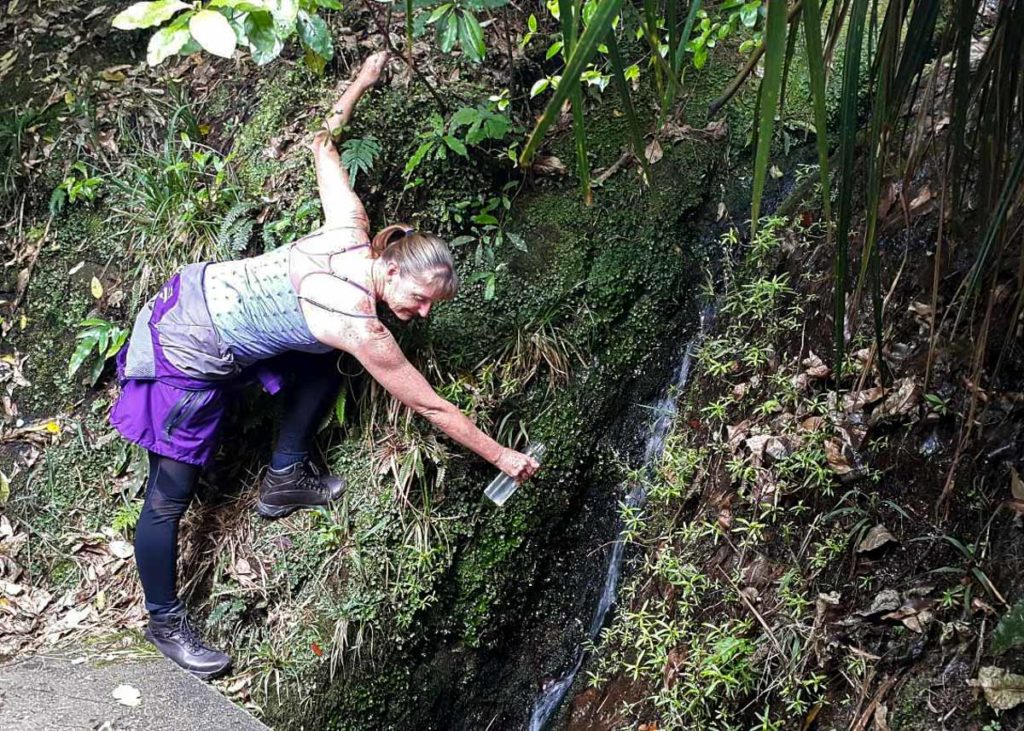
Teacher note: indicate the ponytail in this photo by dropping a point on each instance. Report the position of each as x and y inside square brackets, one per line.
[387, 236]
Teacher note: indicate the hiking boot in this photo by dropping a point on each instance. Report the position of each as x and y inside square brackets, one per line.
[297, 487]
[174, 636]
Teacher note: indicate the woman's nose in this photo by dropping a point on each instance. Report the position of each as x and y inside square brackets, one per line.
[425, 309]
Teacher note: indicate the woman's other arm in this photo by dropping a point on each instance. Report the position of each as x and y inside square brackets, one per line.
[374, 346]
[340, 203]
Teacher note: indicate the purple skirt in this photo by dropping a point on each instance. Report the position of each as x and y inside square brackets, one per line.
[177, 377]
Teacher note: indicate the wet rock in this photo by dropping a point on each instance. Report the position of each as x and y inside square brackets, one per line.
[931, 445]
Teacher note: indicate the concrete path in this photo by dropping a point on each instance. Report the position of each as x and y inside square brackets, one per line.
[59, 693]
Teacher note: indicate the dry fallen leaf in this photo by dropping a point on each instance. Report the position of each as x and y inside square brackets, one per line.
[127, 695]
[121, 549]
[815, 367]
[876, 538]
[653, 153]
[1003, 690]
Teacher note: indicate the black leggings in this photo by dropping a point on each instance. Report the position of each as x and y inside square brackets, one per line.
[172, 484]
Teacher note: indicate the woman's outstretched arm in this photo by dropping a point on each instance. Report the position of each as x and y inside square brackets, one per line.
[341, 205]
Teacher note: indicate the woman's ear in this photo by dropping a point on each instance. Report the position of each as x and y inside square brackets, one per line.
[392, 269]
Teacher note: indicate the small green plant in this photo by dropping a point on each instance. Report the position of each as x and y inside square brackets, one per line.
[455, 24]
[291, 224]
[734, 14]
[488, 232]
[467, 126]
[78, 185]
[98, 337]
[126, 517]
[937, 403]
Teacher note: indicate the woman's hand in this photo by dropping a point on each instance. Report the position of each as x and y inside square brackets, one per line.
[517, 465]
[371, 69]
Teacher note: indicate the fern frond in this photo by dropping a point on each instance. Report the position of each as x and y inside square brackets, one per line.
[358, 154]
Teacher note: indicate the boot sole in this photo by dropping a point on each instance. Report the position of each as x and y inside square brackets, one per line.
[201, 674]
[273, 512]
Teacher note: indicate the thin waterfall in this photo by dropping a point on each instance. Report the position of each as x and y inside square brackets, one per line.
[665, 410]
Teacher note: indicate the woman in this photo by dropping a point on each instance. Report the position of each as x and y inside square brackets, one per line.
[213, 326]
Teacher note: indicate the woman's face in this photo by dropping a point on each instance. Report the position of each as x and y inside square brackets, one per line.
[407, 296]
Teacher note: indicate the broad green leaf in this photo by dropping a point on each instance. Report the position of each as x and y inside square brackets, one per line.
[471, 36]
[95, 370]
[264, 42]
[775, 54]
[438, 12]
[315, 35]
[82, 350]
[417, 157]
[244, 6]
[553, 50]
[166, 42]
[213, 32]
[447, 32]
[455, 145]
[314, 61]
[329, 4]
[285, 13]
[147, 14]
[539, 86]
[1009, 633]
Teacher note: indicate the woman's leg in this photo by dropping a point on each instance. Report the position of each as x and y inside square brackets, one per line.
[292, 483]
[307, 400]
[169, 490]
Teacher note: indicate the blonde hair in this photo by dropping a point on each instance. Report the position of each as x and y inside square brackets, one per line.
[420, 255]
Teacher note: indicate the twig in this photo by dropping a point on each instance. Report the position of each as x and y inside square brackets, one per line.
[407, 59]
[757, 615]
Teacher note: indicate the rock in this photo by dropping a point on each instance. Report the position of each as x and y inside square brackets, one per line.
[877, 537]
[887, 600]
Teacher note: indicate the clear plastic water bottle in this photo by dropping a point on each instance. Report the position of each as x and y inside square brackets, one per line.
[502, 486]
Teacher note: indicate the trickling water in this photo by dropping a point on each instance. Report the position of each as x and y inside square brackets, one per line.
[665, 415]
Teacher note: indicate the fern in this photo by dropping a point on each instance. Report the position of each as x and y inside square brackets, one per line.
[358, 154]
[126, 517]
[235, 229]
[1009, 633]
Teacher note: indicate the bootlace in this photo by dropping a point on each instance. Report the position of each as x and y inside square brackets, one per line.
[310, 477]
[188, 636]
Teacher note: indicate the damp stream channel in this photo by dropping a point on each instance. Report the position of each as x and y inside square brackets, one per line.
[664, 415]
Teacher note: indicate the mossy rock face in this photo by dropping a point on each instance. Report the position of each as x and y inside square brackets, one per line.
[619, 279]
